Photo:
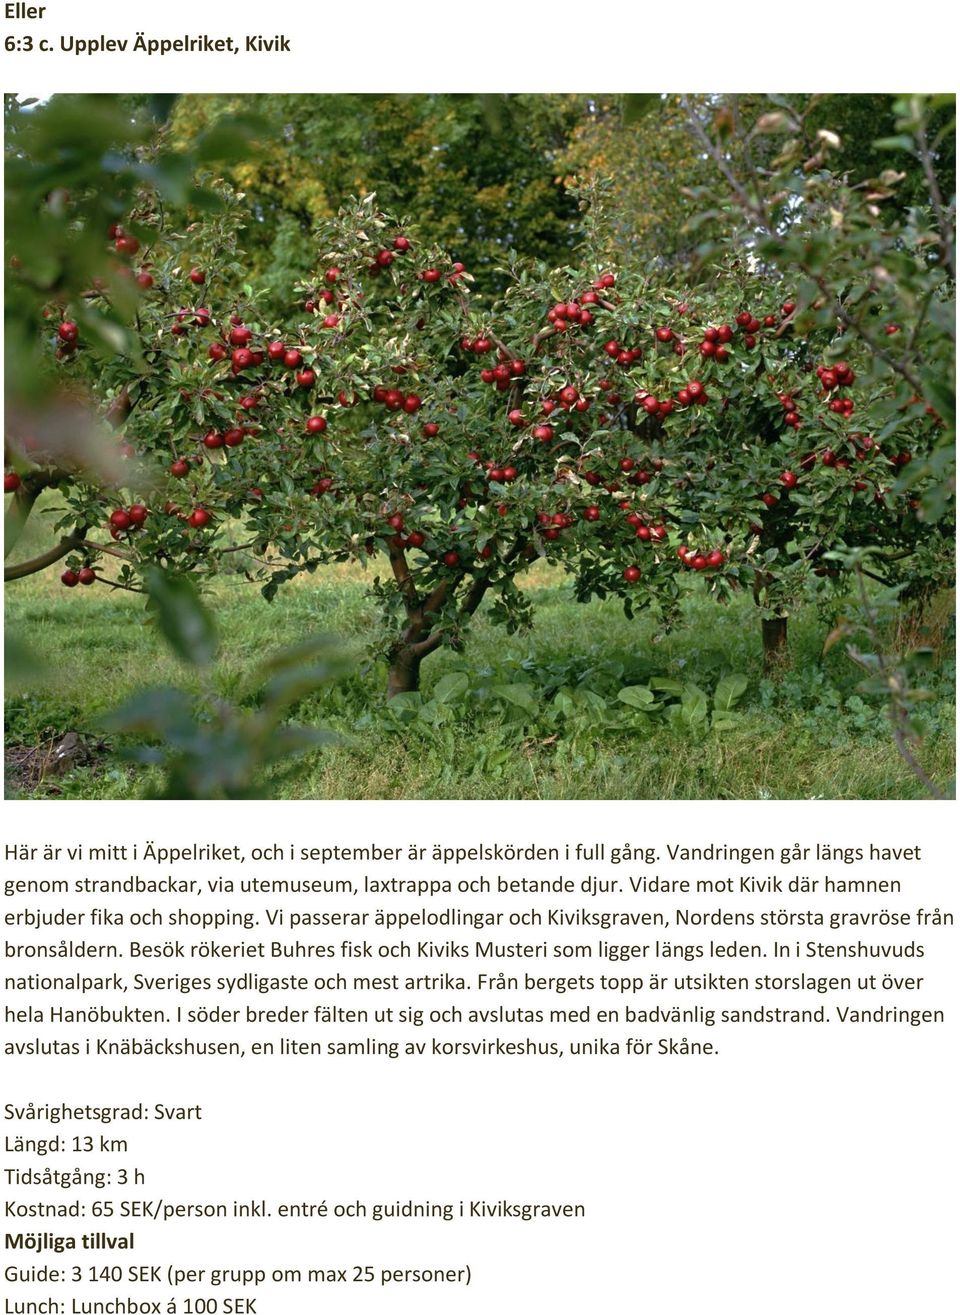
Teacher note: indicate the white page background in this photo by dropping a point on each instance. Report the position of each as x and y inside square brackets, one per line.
[801, 1170]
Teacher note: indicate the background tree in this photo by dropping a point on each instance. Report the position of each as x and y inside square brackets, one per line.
[649, 147]
[868, 124]
[643, 146]
[478, 173]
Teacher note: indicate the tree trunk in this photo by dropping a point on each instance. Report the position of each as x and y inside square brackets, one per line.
[420, 638]
[776, 655]
[404, 675]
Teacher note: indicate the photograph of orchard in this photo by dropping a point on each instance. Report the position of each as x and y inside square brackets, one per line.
[465, 446]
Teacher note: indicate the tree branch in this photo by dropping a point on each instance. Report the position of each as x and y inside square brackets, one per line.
[936, 200]
[119, 408]
[115, 584]
[437, 598]
[472, 600]
[401, 572]
[106, 548]
[45, 559]
[475, 595]
[422, 647]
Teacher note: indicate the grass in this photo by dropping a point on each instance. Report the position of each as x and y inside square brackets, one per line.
[810, 735]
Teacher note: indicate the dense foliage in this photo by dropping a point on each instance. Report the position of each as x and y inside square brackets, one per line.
[753, 423]
[481, 174]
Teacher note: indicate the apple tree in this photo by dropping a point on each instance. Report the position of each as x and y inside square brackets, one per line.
[647, 434]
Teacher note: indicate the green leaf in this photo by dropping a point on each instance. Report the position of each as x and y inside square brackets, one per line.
[564, 702]
[637, 696]
[451, 687]
[729, 691]
[184, 622]
[693, 701]
[295, 684]
[900, 143]
[405, 706]
[112, 335]
[666, 684]
[727, 721]
[164, 712]
[939, 394]
[592, 702]
[521, 696]
[316, 649]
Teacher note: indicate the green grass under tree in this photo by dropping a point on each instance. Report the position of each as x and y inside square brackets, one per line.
[808, 735]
